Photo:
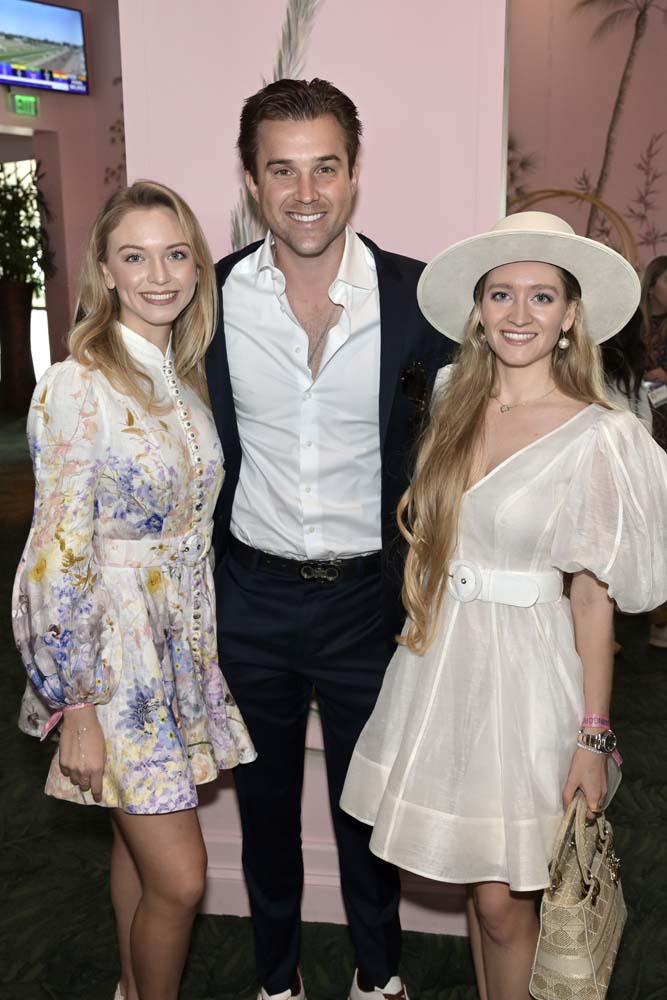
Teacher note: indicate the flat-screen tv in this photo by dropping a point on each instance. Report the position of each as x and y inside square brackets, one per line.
[42, 45]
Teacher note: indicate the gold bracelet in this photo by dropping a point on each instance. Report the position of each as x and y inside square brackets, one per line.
[79, 733]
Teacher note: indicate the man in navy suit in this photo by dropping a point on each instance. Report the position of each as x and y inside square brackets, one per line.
[319, 374]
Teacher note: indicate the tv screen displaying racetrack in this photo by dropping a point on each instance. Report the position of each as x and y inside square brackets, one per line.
[42, 46]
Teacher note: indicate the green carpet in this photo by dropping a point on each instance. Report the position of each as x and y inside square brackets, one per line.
[56, 926]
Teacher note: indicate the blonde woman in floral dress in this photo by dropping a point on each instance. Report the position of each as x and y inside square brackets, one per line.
[113, 605]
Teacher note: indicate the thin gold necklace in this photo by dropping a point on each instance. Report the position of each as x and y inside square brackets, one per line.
[504, 407]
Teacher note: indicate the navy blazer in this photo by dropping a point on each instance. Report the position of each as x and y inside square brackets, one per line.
[411, 352]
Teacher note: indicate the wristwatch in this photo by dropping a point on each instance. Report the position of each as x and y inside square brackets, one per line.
[604, 742]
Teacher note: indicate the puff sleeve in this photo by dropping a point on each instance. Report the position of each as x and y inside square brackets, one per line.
[442, 377]
[613, 519]
[61, 612]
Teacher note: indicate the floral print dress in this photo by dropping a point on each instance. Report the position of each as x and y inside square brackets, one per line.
[113, 599]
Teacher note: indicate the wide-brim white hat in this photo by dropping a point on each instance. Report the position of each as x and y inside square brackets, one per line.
[610, 288]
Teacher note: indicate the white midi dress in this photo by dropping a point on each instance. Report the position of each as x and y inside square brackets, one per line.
[462, 764]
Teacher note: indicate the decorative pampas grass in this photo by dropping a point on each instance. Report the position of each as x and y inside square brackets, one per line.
[295, 37]
[247, 225]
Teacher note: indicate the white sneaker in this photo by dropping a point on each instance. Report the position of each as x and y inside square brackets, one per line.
[285, 995]
[118, 995]
[658, 636]
[393, 990]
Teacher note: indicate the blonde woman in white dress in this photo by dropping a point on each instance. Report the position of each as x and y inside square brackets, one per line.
[499, 693]
[114, 613]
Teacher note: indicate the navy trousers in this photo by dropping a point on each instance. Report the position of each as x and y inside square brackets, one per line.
[281, 639]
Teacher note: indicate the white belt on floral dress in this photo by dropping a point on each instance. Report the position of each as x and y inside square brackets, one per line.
[470, 582]
[154, 551]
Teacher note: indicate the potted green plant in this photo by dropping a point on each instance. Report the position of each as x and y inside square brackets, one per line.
[25, 261]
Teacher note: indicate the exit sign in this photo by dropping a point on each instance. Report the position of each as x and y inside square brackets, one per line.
[26, 105]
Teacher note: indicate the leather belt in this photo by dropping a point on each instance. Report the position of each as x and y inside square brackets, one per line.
[470, 582]
[310, 570]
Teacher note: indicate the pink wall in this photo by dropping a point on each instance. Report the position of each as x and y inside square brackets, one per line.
[72, 141]
[429, 90]
[562, 91]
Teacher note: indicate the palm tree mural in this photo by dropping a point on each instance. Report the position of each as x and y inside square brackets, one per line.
[519, 165]
[617, 14]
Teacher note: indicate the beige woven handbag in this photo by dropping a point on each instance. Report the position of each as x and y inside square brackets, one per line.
[582, 914]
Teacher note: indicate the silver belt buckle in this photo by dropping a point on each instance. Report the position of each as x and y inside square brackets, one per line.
[193, 548]
[328, 573]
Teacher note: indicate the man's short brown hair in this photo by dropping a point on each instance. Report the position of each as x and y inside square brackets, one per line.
[296, 100]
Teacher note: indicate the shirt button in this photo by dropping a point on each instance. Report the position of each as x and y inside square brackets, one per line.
[308, 444]
[310, 531]
[297, 350]
[307, 489]
[307, 395]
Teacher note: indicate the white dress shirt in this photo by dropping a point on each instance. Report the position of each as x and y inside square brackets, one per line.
[310, 478]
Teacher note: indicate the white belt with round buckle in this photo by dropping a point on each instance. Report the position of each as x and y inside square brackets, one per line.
[151, 551]
[470, 582]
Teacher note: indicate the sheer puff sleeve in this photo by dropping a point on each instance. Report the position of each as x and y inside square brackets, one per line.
[62, 616]
[613, 520]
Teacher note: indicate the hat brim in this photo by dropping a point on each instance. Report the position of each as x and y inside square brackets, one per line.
[610, 287]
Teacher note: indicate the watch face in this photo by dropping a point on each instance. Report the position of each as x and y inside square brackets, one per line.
[608, 741]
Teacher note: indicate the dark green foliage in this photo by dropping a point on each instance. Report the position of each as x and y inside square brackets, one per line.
[25, 253]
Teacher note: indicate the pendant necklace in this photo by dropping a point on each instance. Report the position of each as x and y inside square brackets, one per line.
[505, 407]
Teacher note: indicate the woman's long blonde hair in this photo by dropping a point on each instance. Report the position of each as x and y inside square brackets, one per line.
[428, 512]
[95, 339]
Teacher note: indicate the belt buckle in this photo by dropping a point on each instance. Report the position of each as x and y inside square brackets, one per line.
[193, 548]
[465, 581]
[320, 572]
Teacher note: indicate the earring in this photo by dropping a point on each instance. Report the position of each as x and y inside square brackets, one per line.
[481, 334]
[564, 342]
